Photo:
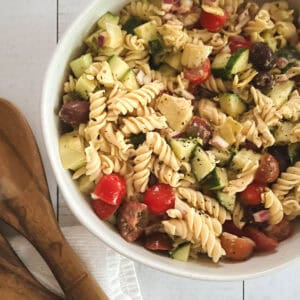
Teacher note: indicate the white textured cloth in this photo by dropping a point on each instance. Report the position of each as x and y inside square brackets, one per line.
[115, 274]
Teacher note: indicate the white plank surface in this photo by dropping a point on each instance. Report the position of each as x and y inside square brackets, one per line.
[28, 30]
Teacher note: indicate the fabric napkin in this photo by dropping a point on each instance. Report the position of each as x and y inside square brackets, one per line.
[116, 274]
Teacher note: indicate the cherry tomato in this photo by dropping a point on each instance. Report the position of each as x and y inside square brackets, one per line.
[110, 189]
[263, 243]
[198, 75]
[212, 22]
[237, 248]
[132, 219]
[158, 241]
[103, 210]
[251, 195]
[237, 42]
[159, 198]
[280, 231]
[268, 170]
[229, 227]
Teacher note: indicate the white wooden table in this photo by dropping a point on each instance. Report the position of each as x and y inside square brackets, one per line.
[29, 31]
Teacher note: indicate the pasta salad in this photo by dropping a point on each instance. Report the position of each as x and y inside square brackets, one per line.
[180, 124]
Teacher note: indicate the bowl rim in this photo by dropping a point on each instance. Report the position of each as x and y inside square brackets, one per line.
[57, 169]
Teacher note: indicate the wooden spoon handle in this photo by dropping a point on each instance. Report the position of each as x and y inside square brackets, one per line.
[74, 278]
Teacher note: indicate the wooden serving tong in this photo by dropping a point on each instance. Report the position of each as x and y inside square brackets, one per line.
[25, 205]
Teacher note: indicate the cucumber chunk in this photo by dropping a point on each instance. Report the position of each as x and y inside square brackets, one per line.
[202, 163]
[232, 105]
[217, 179]
[93, 40]
[182, 252]
[105, 76]
[156, 47]
[107, 18]
[222, 158]
[113, 37]
[147, 31]
[174, 61]
[183, 148]
[226, 200]
[85, 185]
[294, 152]
[129, 81]
[166, 70]
[80, 64]
[118, 66]
[131, 23]
[281, 91]
[85, 86]
[282, 132]
[218, 66]
[71, 150]
[137, 139]
[238, 61]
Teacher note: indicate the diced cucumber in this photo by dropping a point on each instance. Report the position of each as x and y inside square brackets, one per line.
[294, 152]
[129, 81]
[112, 219]
[85, 86]
[226, 200]
[107, 18]
[281, 91]
[113, 37]
[217, 179]
[232, 105]
[156, 47]
[282, 132]
[118, 66]
[147, 31]
[105, 76]
[71, 97]
[137, 139]
[85, 185]
[182, 252]
[155, 61]
[93, 40]
[183, 148]
[238, 61]
[80, 64]
[242, 158]
[218, 66]
[230, 130]
[202, 163]
[166, 70]
[174, 61]
[222, 157]
[71, 150]
[131, 23]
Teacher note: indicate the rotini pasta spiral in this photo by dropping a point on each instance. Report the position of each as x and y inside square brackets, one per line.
[295, 134]
[291, 109]
[216, 85]
[272, 203]
[142, 96]
[97, 115]
[160, 147]
[133, 43]
[238, 215]
[69, 86]
[291, 204]
[205, 203]
[135, 125]
[209, 111]
[287, 181]
[93, 163]
[142, 167]
[249, 132]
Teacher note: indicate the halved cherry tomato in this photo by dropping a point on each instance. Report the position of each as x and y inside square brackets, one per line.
[229, 227]
[263, 243]
[103, 210]
[212, 22]
[236, 42]
[280, 231]
[237, 248]
[198, 75]
[110, 189]
[159, 198]
[251, 195]
[158, 241]
[268, 170]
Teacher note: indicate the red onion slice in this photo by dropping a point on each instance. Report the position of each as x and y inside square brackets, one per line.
[261, 216]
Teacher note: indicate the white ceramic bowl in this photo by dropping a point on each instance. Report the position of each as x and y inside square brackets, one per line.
[202, 269]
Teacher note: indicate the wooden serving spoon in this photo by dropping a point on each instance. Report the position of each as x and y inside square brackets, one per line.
[16, 283]
[25, 205]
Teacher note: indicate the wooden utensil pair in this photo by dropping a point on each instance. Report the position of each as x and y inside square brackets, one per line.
[25, 205]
